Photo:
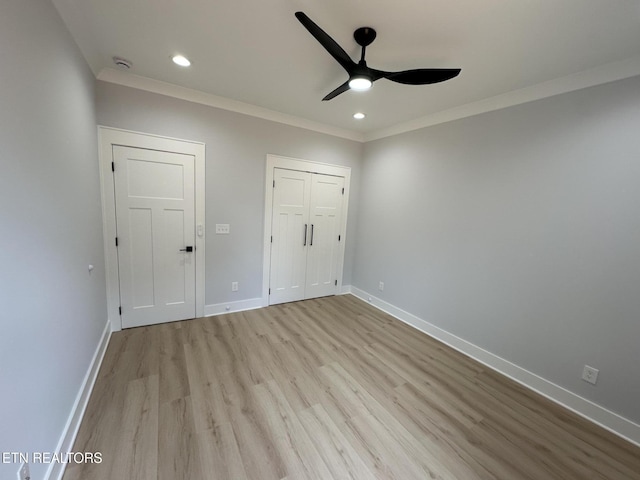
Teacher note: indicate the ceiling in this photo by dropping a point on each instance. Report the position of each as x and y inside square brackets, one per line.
[256, 51]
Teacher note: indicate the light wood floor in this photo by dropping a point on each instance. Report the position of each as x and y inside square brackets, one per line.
[323, 389]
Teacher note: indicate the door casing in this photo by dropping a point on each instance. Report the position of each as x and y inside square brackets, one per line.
[108, 137]
[276, 161]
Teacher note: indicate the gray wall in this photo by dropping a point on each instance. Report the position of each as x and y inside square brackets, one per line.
[519, 231]
[236, 149]
[53, 311]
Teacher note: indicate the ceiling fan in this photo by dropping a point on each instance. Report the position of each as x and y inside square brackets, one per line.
[361, 77]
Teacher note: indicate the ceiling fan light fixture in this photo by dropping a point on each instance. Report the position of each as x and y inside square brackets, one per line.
[360, 83]
[181, 60]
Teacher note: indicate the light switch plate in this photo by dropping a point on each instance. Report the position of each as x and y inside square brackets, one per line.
[222, 228]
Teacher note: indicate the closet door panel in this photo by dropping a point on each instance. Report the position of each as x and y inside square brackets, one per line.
[325, 215]
[290, 225]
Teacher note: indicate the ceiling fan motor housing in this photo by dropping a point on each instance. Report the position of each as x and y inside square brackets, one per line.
[364, 36]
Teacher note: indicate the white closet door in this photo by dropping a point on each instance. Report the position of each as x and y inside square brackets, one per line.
[155, 216]
[324, 235]
[289, 230]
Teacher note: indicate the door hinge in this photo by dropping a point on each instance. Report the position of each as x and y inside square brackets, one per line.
[113, 167]
[274, 184]
[336, 284]
[271, 238]
[339, 237]
[116, 241]
[343, 190]
[120, 310]
[269, 291]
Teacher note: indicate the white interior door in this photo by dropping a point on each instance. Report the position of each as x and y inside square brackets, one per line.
[289, 232]
[324, 243]
[155, 218]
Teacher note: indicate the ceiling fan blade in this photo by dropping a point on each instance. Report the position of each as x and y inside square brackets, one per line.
[341, 89]
[419, 76]
[329, 44]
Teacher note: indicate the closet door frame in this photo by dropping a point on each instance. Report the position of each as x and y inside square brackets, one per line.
[277, 161]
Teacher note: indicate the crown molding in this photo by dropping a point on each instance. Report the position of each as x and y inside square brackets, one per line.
[168, 89]
[606, 73]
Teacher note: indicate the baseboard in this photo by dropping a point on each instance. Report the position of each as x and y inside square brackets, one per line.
[597, 414]
[68, 437]
[239, 306]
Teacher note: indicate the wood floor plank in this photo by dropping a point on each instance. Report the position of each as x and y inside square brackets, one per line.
[137, 446]
[219, 454]
[172, 368]
[206, 397]
[338, 454]
[270, 322]
[291, 440]
[178, 445]
[144, 343]
[255, 440]
[382, 454]
[448, 436]
[423, 454]
[323, 389]
[295, 378]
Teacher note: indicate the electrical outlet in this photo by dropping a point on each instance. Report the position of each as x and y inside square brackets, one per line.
[381, 286]
[23, 473]
[222, 229]
[590, 374]
[234, 286]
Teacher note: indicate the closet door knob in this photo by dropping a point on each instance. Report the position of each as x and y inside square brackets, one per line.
[311, 244]
[305, 235]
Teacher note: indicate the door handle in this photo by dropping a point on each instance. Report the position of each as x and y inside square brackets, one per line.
[305, 235]
[188, 249]
[311, 244]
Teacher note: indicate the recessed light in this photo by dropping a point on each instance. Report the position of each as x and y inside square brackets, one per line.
[359, 116]
[181, 60]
